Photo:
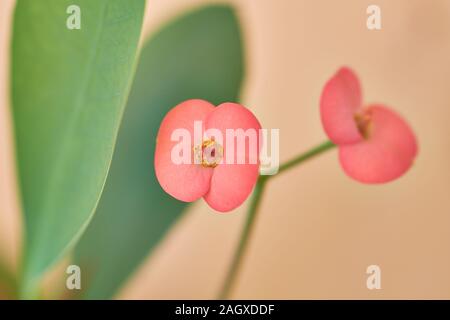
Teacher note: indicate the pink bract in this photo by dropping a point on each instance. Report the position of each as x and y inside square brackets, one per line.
[224, 186]
[375, 144]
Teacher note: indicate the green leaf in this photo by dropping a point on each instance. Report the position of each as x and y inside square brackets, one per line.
[69, 89]
[197, 56]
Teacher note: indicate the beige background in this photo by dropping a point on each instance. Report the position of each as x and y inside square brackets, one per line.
[318, 230]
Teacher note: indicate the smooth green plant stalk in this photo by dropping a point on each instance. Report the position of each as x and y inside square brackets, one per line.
[237, 258]
[307, 155]
[253, 211]
[29, 291]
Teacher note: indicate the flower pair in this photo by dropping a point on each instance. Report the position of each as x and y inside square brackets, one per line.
[375, 144]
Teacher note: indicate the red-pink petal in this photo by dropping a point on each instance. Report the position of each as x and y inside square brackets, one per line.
[185, 182]
[232, 183]
[341, 98]
[388, 152]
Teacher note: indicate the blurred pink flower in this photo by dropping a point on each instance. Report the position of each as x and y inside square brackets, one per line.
[375, 144]
[222, 184]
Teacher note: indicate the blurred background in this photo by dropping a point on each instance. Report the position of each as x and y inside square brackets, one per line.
[317, 230]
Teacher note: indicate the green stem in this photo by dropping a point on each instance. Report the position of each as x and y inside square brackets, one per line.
[253, 211]
[29, 291]
[237, 258]
[307, 155]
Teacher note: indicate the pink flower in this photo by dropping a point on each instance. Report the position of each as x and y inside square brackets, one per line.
[375, 144]
[208, 173]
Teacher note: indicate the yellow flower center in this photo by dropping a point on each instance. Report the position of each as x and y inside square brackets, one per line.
[364, 123]
[209, 153]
